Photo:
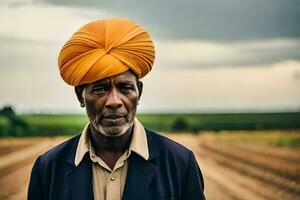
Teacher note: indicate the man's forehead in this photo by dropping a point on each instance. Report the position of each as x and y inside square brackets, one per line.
[126, 76]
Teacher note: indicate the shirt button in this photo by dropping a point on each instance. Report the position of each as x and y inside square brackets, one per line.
[112, 178]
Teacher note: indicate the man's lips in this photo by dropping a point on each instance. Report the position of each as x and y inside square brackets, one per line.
[113, 119]
[113, 116]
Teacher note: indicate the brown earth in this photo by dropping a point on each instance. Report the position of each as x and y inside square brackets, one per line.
[15, 165]
[231, 171]
[237, 171]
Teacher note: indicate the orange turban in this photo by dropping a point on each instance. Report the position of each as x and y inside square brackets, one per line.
[105, 48]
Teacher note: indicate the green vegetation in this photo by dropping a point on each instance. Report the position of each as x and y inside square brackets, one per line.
[51, 125]
[288, 141]
[10, 123]
[270, 138]
[219, 122]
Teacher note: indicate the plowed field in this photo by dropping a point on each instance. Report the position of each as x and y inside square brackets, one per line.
[232, 169]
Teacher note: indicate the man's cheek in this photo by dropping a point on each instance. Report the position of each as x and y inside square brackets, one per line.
[91, 113]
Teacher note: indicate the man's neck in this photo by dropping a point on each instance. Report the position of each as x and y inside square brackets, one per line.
[109, 149]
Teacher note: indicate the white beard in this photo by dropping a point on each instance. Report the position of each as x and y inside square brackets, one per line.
[114, 131]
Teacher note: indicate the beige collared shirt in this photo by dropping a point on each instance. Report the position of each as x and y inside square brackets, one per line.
[108, 184]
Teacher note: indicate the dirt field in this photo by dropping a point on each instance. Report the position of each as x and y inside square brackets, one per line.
[232, 170]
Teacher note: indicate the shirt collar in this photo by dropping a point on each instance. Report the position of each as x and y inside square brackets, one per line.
[138, 143]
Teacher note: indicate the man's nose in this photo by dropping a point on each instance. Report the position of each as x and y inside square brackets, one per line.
[113, 99]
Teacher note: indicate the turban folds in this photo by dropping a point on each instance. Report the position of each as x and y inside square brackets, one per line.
[105, 48]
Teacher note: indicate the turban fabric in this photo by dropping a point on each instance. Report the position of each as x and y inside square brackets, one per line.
[105, 48]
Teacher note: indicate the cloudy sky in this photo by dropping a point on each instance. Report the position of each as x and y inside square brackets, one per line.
[212, 55]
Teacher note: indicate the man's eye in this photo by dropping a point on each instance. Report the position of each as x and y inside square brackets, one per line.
[125, 87]
[99, 89]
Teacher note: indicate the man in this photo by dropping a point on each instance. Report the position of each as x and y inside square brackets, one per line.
[115, 157]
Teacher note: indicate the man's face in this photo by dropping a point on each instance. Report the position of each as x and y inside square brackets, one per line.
[111, 103]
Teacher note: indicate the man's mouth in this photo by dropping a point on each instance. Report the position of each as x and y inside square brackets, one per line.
[113, 116]
[113, 119]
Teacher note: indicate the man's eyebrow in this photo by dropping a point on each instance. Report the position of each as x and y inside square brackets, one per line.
[100, 82]
[127, 81]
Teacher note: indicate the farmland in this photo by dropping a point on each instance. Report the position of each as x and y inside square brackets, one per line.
[247, 165]
[236, 165]
[71, 124]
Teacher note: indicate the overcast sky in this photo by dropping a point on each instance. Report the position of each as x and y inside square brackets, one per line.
[211, 55]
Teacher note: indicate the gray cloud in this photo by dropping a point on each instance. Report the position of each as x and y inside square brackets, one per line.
[202, 54]
[206, 19]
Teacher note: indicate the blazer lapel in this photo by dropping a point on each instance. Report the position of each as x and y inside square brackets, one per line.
[140, 174]
[79, 178]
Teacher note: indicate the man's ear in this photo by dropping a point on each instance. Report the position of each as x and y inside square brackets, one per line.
[140, 88]
[78, 90]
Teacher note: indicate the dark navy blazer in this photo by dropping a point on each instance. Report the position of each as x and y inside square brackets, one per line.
[171, 172]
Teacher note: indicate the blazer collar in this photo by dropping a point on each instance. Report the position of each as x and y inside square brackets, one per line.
[79, 178]
[140, 173]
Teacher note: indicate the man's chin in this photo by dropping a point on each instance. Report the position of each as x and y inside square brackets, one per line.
[114, 131]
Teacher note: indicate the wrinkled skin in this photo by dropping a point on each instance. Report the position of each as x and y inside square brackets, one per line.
[111, 103]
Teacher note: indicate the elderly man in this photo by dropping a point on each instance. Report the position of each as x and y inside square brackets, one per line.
[114, 157]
